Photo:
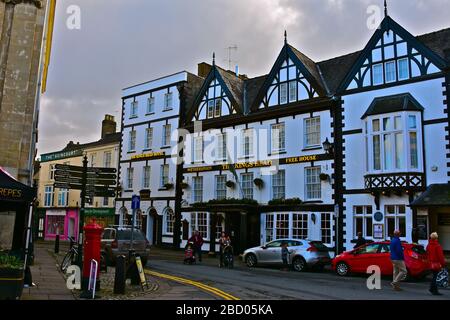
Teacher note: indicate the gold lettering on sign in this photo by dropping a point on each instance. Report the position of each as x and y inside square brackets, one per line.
[10, 193]
[199, 169]
[148, 155]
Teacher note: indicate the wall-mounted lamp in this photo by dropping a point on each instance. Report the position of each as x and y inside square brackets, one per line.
[328, 147]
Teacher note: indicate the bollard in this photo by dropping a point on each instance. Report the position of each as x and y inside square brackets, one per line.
[120, 275]
[57, 244]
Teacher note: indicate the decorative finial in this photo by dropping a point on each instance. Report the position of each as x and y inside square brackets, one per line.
[285, 36]
[385, 8]
[214, 58]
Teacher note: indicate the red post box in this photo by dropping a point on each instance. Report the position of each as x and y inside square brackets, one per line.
[91, 249]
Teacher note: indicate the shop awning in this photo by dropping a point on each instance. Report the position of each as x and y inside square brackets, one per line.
[13, 190]
[436, 195]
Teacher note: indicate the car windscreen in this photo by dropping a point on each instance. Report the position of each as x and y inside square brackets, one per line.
[319, 246]
[126, 235]
[419, 249]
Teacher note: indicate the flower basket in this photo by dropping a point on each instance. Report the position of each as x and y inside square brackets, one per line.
[258, 182]
[184, 185]
[168, 186]
[230, 184]
[324, 177]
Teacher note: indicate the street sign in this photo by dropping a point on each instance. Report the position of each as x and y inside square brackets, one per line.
[67, 167]
[91, 175]
[101, 170]
[105, 194]
[135, 202]
[67, 186]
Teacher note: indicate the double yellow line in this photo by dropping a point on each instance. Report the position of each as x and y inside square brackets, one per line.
[197, 284]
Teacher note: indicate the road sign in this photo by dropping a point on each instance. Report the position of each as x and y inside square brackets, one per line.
[135, 202]
[67, 186]
[63, 173]
[67, 167]
[105, 194]
[101, 170]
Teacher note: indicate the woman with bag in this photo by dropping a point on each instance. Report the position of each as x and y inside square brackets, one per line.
[437, 260]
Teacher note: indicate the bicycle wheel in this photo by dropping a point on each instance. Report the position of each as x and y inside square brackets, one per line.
[67, 261]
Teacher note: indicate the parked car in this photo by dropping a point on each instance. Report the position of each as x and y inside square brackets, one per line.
[116, 241]
[378, 253]
[305, 254]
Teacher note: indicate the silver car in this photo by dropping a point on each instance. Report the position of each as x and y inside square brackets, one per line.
[304, 254]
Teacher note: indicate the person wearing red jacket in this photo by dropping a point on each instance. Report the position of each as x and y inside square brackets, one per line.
[437, 260]
[197, 241]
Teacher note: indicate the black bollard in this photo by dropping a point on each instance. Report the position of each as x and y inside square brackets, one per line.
[120, 276]
[57, 244]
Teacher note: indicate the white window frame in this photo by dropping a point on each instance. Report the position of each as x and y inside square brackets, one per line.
[220, 186]
[134, 109]
[48, 195]
[278, 183]
[130, 178]
[407, 68]
[365, 215]
[247, 143]
[164, 175]
[308, 185]
[309, 124]
[247, 185]
[107, 159]
[197, 189]
[168, 101]
[397, 216]
[204, 227]
[169, 221]
[328, 229]
[221, 147]
[167, 131]
[278, 138]
[63, 195]
[150, 105]
[146, 177]
[148, 138]
[132, 141]
[299, 220]
[405, 130]
[382, 74]
[197, 154]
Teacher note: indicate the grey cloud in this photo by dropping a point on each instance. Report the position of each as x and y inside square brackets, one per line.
[123, 42]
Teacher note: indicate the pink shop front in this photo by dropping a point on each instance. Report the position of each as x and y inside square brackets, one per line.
[61, 221]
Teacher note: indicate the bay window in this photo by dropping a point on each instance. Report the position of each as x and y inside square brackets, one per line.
[393, 142]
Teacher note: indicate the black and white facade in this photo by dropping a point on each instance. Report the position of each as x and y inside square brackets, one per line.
[317, 150]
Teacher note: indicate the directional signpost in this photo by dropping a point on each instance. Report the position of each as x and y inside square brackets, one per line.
[92, 182]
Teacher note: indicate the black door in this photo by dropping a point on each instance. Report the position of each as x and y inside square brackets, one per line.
[233, 229]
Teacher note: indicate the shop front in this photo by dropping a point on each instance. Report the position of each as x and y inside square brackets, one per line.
[62, 222]
[102, 216]
[433, 213]
[15, 201]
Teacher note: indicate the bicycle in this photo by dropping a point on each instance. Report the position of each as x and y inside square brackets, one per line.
[69, 258]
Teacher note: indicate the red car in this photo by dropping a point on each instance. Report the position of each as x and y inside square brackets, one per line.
[377, 253]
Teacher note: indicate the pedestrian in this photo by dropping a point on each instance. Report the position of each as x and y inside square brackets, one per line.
[398, 260]
[437, 261]
[360, 241]
[284, 256]
[222, 243]
[197, 241]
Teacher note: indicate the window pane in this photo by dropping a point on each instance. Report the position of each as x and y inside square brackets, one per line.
[387, 152]
[377, 74]
[403, 69]
[376, 153]
[402, 50]
[399, 151]
[292, 91]
[299, 226]
[376, 125]
[358, 225]
[389, 52]
[412, 124]
[413, 150]
[282, 227]
[283, 93]
[398, 125]
[376, 55]
[369, 229]
[390, 71]
[269, 227]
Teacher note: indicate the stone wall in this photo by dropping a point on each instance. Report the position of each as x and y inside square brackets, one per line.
[20, 88]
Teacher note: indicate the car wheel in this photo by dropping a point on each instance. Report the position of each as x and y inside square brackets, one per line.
[342, 269]
[299, 264]
[251, 260]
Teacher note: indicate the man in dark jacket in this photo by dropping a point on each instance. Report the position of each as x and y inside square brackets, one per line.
[360, 241]
[398, 260]
[197, 241]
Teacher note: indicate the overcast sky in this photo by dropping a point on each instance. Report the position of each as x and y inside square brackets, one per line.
[125, 42]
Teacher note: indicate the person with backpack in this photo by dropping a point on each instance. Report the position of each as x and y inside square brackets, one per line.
[437, 261]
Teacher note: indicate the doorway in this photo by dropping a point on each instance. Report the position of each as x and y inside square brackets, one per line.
[443, 230]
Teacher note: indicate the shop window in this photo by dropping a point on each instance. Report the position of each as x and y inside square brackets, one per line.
[55, 225]
[200, 222]
[269, 227]
[300, 226]
[282, 226]
[325, 227]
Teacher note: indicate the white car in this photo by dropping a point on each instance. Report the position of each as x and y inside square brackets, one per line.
[304, 254]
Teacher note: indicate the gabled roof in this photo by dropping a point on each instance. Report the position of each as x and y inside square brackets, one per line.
[389, 24]
[307, 66]
[398, 102]
[436, 195]
[231, 84]
[108, 139]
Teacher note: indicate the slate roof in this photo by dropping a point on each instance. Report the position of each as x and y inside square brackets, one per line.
[398, 102]
[108, 139]
[435, 195]
[328, 74]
